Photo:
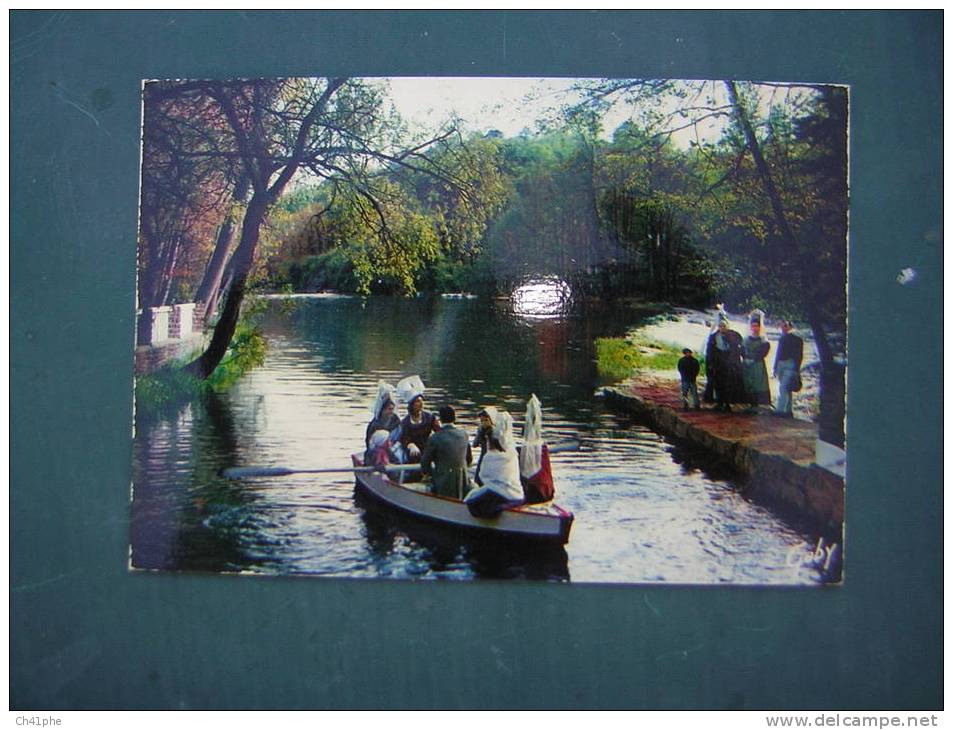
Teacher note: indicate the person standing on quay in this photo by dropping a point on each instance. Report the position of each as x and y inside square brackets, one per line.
[688, 368]
[709, 395]
[723, 359]
[787, 368]
[754, 351]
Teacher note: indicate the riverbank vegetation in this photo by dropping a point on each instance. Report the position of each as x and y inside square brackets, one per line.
[166, 389]
[706, 192]
[618, 358]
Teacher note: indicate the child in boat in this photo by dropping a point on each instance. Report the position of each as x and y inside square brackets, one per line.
[378, 450]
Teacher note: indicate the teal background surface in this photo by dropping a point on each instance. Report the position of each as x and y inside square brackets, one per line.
[86, 633]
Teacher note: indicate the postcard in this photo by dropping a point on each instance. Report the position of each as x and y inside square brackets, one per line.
[585, 330]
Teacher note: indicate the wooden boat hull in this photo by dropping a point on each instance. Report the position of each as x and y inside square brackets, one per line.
[550, 526]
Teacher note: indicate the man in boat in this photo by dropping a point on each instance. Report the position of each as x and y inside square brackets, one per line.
[446, 457]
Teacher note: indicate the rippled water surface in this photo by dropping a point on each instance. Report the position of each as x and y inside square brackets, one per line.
[646, 511]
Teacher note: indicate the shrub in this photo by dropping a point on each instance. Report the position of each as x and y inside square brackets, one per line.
[171, 386]
[619, 357]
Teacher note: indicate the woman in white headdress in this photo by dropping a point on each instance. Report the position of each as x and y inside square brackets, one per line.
[535, 468]
[383, 412]
[723, 359]
[709, 395]
[488, 418]
[418, 424]
[499, 471]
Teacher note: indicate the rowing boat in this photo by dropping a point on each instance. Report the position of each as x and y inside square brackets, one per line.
[546, 523]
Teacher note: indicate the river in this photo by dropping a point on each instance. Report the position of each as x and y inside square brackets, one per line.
[645, 510]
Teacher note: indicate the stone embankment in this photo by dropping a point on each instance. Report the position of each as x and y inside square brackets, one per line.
[168, 333]
[775, 457]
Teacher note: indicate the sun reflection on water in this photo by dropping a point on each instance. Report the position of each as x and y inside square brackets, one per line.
[545, 298]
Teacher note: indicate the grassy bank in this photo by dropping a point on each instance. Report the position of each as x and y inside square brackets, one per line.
[170, 386]
[618, 358]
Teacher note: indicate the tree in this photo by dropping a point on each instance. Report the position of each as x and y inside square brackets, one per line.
[182, 195]
[270, 131]
[387, 241]
[271, 142]
[808, 265]
[210, 287]
[551, 222]
[649, 230]
[763, 177]
[470, 192]
[429, 222]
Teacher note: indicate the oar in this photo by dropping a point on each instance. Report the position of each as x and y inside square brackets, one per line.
[244, 472]
[561, 447]
[568, 446]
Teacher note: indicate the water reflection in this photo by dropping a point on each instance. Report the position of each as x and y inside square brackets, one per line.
[645, 511]
[172, 516]
[542, 298]
[446, 552]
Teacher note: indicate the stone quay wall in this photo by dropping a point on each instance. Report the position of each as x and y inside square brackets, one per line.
[774, 456]
[164, 334]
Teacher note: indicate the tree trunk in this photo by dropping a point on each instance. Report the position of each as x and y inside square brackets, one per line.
[169, 261]
[149, 281]
[154, 285]
[677, 266]
[593, 203]
[216, 296]
[831, 424]
[208, 290]
[244, 256]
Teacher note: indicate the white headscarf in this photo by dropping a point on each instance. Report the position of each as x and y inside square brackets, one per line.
[379, 438]
[531, 455]
[410, 387]
[500, 470]
[385, 392]
[503, 430]
[721, 317]
[757, 316]
[491, 413]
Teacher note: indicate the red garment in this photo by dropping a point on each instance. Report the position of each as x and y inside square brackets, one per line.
[539, 487]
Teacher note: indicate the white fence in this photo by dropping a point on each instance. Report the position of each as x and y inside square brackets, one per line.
[160, 325]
